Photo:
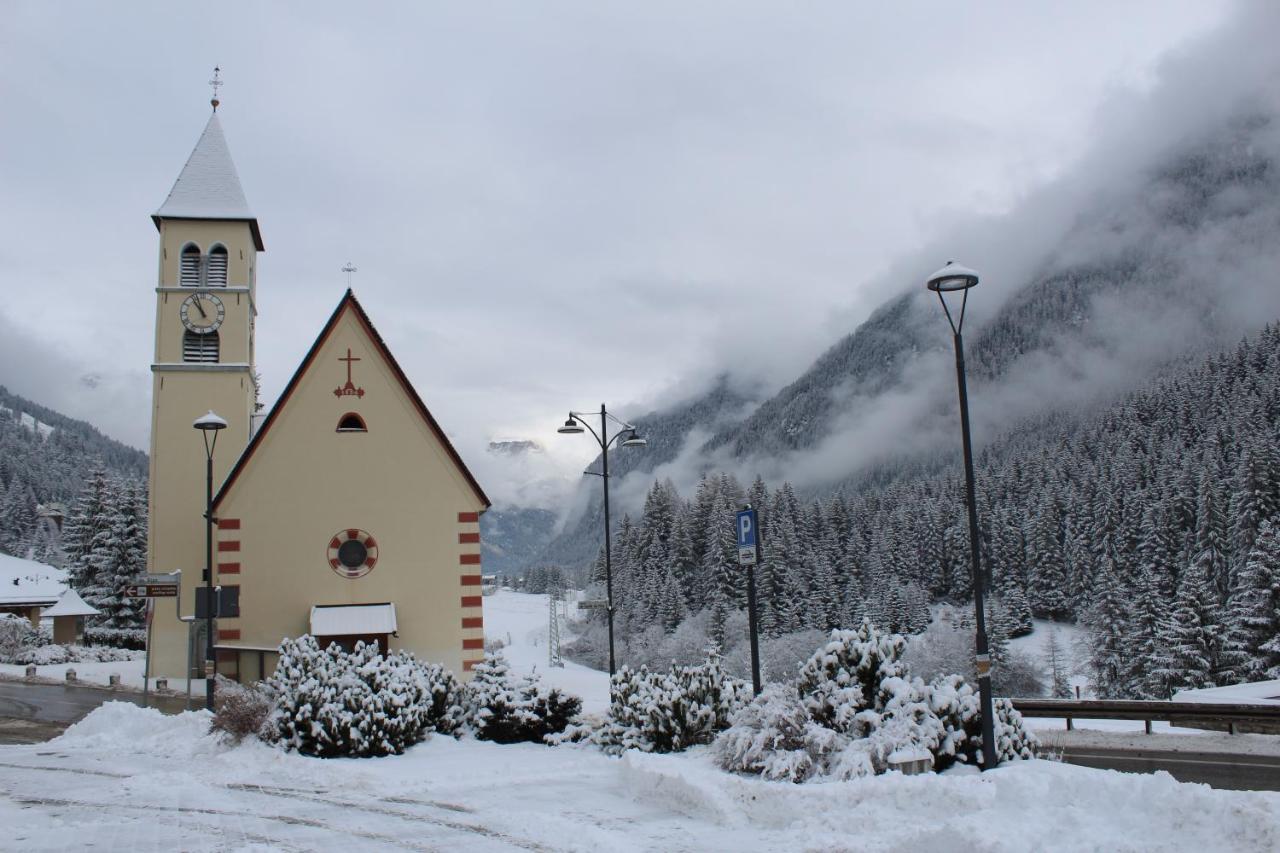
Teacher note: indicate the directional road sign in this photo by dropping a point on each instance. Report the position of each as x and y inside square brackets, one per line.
[152, 590]
[747, 537]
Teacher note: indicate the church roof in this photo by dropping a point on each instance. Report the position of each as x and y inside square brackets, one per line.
[349, 303]
[208, 186]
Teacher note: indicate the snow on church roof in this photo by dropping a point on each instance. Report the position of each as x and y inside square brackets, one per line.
[209, 186]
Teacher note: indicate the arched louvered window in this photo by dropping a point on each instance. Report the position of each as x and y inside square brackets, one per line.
[216, 267]
[189, 271]
[351, 422]
[202, 348]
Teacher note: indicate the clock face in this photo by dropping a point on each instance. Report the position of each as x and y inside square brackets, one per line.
[202, 313]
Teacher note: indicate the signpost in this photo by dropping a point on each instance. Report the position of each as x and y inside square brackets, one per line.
[152, 590]
[749, 555]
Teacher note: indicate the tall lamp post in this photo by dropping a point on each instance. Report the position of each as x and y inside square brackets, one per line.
[576, 424]
[209, 425]
[950, 279]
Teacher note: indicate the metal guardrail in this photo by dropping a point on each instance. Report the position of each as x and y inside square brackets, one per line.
[1196, 715]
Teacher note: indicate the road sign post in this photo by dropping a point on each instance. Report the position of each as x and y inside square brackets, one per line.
[749, 556]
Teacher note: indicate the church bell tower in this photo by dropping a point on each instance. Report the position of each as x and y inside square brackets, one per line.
[204, 357]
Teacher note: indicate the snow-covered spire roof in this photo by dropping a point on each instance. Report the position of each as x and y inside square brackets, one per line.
[209, 187]
[70, 604]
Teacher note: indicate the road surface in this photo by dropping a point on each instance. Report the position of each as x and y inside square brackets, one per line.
[1233, 772]
[30, 713]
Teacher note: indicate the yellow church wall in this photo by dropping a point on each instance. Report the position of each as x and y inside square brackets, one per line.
[306, 482]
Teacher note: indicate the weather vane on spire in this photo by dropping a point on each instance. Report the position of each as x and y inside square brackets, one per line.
[215, 83]
[349, 269]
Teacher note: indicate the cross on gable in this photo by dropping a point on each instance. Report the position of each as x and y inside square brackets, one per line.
[349, 389]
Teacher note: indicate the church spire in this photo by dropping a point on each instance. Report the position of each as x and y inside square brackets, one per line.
[209, 186]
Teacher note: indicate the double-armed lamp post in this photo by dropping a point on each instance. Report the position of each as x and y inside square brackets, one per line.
[209, 426]
[577, 423]
[951, 279]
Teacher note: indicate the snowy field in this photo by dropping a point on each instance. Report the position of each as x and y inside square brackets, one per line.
[127, 778]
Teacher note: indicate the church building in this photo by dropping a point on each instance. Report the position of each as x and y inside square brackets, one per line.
[347, 514]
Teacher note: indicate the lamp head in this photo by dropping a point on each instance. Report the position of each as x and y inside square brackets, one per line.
[634, 440]
[571, 427]
[951, 277]
[209, 422]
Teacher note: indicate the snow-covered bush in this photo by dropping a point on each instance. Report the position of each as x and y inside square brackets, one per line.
[444, 711]
[854, 706]
[775, 737]
[669, 711]
[16, 635]
[241, 710]
[54, 654]
[121, 638]
[505, 709]
[334, 703]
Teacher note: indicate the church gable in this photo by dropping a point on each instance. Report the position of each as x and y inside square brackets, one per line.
[349, 389]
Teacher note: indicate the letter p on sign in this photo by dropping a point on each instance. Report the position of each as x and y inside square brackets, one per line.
[747, 537]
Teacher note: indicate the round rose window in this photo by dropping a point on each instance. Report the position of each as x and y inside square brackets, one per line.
[353, 553]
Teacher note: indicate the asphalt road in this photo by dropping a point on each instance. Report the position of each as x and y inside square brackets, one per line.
[30, 713]
[1233, 772]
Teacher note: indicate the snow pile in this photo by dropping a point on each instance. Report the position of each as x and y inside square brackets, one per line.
[504, 709]
[123, 727]
[333, 703]
[854, 708]
[671, 711]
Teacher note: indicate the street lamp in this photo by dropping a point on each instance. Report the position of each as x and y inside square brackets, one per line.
[575, 425]
[950, 279]
[209, 425]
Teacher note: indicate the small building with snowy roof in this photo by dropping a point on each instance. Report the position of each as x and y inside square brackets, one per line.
[348, 514]
[27, 587]
[68, 614]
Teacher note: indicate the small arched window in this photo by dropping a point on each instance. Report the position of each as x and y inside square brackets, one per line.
[189, 270]
[351, 422]
[216, 270]
[200, 348]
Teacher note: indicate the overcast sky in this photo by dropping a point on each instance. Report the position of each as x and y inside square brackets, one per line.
[550, 205]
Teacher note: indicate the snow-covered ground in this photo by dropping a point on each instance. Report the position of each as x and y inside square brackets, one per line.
[130, 778]
[522, 622]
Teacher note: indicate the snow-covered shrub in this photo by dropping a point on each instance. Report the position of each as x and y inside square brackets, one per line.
[775, 737]
[334, 703]
[669, 711]
[505, 709]
[444, 711]
[241, 710]
[844, 677]
[120, 638]
[854, 706]
[16, 635]
[54, 654]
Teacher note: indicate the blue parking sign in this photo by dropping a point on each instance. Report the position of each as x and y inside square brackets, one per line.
[747, 532]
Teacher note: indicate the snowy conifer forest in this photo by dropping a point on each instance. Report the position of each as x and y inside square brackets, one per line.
[53, 466]
[1154, 523]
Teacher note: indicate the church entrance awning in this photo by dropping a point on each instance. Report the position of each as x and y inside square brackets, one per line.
[353, 620]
